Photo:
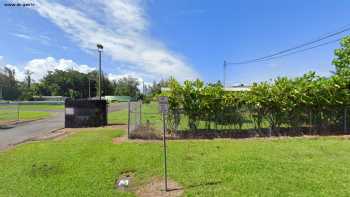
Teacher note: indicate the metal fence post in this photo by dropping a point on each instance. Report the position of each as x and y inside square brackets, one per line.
[17, 111]
[128, 119]
[165, 154]
[345, 120]
[310, 122]
[140, 112]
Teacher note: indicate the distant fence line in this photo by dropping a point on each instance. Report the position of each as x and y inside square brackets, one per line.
[335, 121]
[32, 102]
[237, 123]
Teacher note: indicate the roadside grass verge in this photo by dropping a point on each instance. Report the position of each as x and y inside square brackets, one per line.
[9, 115]
[87, 164]
[30, 107]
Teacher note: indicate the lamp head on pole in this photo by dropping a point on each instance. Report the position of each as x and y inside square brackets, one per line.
[99, 47]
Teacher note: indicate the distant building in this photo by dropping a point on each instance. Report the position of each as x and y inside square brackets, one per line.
[118, 98]
[239, 88]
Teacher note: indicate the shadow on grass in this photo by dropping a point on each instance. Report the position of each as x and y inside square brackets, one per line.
[210, 183]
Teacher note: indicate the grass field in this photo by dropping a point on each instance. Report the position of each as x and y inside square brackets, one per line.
[9, 115]
[87, 164]
[149, 112]
[118, 117]
[31, 107]
[41, 107]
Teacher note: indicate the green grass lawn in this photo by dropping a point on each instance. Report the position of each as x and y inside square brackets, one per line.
[149, 112]
[10, 115]
[87, 164]
[28, 107]
[118, 117]
[31, 107]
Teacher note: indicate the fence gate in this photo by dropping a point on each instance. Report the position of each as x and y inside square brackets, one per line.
[144, 121]
[134, 116]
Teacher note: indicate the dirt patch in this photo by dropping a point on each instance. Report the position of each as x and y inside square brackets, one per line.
[344, 137]
[140, 141]
[119, 140]
[155, 188]
[146, 133]
[69, 131]
[52, 135]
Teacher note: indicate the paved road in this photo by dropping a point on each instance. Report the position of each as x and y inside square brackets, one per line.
[25, 131]
[117, 107]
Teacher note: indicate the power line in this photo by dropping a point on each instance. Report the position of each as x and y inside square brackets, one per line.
[292, 48]
[302, 50]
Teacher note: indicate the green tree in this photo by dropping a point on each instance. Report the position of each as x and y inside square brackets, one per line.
[69, 83]
[342, 55]
[127, 86]
[8, 84]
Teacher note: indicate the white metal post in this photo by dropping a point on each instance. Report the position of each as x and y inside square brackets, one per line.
[165, 155]
[128, 119]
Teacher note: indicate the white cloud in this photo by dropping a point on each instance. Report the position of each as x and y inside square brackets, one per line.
[123, 34]
[116, 77]
[40, 67]
[43, 39]
[24, 36]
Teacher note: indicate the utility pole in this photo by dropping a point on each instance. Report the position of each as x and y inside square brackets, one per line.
[99, 48]
[89, 88]
[143, 87]
[225, 65]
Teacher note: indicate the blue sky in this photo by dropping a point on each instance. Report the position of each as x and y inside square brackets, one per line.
[153, 39]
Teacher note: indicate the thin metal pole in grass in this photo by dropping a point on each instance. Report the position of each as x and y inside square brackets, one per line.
[128, 119]
[165, 155]
[163, 106]
[310, 122]
[345, 119]
[140, 112]
[17, 111]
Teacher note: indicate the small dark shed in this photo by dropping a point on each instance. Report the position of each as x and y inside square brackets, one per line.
[85, 113]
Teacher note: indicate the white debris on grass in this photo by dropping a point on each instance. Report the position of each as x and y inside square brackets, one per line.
[123, 183]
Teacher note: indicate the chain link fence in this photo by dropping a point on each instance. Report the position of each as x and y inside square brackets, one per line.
[13, 113]
[9, 115]
[145, 121]
[241, 123]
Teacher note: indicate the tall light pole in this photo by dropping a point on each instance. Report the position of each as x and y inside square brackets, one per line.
[225, 65]
[89, 89]
[99, 48]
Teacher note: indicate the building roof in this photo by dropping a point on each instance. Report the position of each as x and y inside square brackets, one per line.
[237, 89]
